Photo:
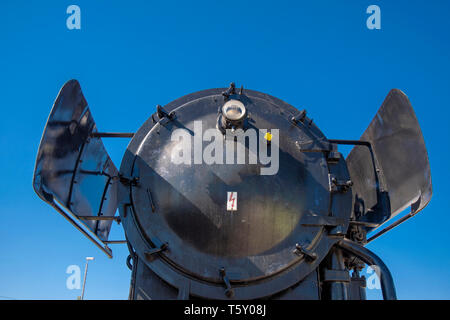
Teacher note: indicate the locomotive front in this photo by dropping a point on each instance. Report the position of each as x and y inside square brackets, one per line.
[234, 194]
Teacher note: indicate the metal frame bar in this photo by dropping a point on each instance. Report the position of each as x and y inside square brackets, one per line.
[116, 218]
[380, 185]
[99, 213]
[75, 169]
[112, 135]
[104, 248]
[351, 142]
[393, 225]
[114, 241]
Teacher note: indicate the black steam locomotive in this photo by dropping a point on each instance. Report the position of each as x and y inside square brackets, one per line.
[234, 194]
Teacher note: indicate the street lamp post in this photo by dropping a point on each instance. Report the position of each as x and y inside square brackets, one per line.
[85, 274]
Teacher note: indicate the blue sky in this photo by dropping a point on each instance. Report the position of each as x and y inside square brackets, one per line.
[130, 56]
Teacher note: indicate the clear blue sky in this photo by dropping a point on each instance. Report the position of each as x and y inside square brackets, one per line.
[131, 55]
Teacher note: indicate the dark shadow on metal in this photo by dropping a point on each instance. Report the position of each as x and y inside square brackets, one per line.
[371, 259]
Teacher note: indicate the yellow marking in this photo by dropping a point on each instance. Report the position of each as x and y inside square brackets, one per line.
[268, 136]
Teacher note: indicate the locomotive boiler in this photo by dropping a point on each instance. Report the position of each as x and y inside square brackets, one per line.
[232, 193]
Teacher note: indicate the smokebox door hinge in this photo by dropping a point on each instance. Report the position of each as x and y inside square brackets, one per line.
[309, 255]
[128, 181]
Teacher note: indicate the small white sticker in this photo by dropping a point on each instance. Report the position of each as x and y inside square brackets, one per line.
[231, 201]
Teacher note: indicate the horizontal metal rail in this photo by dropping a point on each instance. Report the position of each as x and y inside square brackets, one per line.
[112, 135]
[350, 142]
[115, 241]
[393, 225]
[96, 218]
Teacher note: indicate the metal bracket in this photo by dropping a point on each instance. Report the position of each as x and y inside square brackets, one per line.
[96, 218]
[129, 265]
[334, 225]
[184, 290]
[128, 181]
[229, 292]
[150, 198]
[334, 156]
[125, 209]
[336, 185]
[163, 113]
[310, 256]
[231, 90]
[152, 251]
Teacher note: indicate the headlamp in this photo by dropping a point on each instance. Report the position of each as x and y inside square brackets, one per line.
[233, 116]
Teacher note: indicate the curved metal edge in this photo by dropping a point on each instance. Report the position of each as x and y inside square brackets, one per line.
[396, 99]
[370, 258]
[204, 289]
[165, 271]
[396, 223]
[425, 198]
[35, 183]
[49, 199]
[216, 291]
[174, 104]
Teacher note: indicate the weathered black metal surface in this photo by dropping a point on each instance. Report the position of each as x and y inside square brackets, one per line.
[288, 236]
[73, 170]
[399, 152]
[185, 205]
[146, 285]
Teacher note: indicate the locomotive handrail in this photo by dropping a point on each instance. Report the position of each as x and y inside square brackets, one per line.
[370, 258]
[394, 225]
[380, 185]
[381, 190]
